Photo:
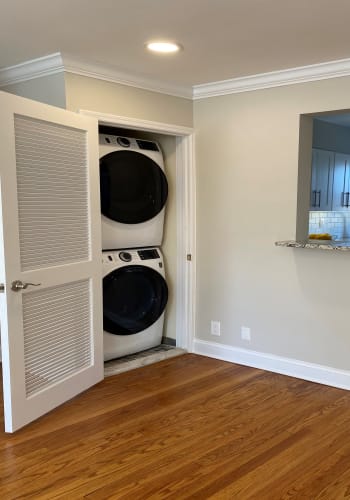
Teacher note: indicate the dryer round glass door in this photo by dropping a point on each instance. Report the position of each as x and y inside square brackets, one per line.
[134, 297]
[133, 187]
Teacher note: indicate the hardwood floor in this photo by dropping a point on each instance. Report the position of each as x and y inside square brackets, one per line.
[188, 427]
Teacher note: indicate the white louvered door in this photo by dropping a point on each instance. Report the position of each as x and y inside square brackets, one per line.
[50, 239]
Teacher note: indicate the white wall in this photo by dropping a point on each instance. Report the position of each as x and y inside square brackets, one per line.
[48, 89]
[295, 301]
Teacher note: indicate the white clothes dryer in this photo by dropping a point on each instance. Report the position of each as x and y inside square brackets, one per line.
[134, 191]
[135, 294]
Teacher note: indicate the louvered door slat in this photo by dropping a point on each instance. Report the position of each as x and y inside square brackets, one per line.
[52, 186]
[49, 194]
[67, 312]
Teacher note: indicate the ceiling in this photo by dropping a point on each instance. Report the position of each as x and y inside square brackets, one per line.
[342, 119]
[222, 39]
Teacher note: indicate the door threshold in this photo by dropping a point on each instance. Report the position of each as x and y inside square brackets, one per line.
[143, 358]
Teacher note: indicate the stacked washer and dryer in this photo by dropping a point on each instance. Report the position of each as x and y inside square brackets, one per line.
[134, 191]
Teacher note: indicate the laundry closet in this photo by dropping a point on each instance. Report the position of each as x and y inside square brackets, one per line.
[51, 307]
[137, 190]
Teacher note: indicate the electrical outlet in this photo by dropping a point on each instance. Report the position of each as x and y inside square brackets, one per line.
[215, 328]
[245, 333]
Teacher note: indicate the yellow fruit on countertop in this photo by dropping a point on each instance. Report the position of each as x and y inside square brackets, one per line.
[321, 236]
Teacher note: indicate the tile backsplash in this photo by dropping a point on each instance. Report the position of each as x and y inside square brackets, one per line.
[335, 223]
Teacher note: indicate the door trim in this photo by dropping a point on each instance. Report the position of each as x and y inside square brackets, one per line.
[185, 216]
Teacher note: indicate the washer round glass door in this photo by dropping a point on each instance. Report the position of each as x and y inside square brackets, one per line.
[134, 297]
[133, 187]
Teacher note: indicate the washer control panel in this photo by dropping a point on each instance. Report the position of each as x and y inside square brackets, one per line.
[123, 141]
[125, 256]
[151, 253]
[115, 256]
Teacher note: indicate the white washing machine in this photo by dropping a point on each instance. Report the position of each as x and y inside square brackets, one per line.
[134, 191]
[135, 294]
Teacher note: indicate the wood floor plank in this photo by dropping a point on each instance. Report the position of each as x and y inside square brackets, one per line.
[130, 388]
[280, 467]
[188, 427]
[138, 451]
[241, 434]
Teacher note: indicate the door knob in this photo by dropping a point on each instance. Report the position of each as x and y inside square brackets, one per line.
[18, 285]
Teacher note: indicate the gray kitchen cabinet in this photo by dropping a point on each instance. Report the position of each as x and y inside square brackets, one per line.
[322, 172]
[341, 182]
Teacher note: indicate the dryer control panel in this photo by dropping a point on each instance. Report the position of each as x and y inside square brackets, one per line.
[127, 142]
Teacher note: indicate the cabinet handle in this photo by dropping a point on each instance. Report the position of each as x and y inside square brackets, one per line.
[319, 199]
[347, 199]
[329, 174]
[344, 193]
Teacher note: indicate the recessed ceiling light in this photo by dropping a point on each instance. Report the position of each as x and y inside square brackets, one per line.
[163, 47]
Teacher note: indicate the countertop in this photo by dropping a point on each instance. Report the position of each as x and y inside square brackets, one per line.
[342, 246]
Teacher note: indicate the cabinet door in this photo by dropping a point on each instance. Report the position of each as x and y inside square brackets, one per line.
[321, 180]
[50, 252]
[341, 184]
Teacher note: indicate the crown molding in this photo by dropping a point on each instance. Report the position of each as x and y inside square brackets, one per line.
[60, 63]
[301, 74]
[57, 63]
[28, 70]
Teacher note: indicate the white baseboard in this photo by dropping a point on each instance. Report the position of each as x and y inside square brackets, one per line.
[278, 364]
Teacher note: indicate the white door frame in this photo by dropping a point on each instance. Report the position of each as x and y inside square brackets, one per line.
[185, 216]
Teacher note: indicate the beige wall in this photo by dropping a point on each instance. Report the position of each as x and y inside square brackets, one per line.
[48, 89]
[296, 302]
[106, 97]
